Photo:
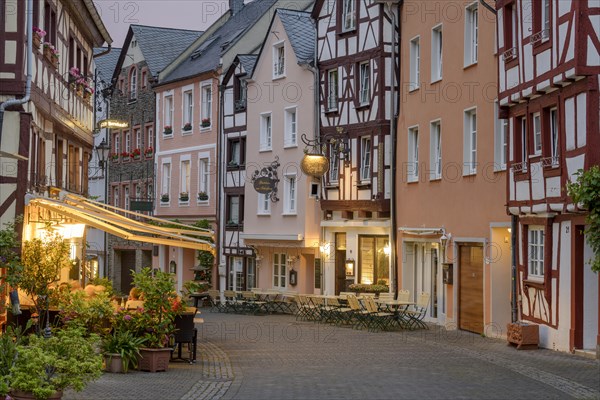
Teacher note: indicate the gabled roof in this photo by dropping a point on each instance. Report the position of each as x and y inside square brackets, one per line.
[302, 33]
[248, 62]
[208, 54]
[105, 65]
[158, 45]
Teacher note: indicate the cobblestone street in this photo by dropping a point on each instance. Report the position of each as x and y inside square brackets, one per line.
[275, 357]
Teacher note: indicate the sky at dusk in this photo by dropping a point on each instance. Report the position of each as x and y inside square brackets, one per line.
[184, 14]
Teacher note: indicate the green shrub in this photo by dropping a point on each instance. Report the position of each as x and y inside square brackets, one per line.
[364, 288]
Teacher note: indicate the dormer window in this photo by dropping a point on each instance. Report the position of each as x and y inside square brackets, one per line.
[348, 15]
[133, 83]
[278, 60]
[240, 87]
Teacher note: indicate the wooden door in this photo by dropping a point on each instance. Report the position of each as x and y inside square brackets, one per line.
[127, 264]
[470, 288]
[340, 271]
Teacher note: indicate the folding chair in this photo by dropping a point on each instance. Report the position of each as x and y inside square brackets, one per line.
[378, 319]
[361, 315]
[231, 301]
[339, 313]
[417, 313]
[305, 310]
[251, 303]
[215, 300]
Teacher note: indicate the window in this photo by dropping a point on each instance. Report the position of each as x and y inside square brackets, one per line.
[290, 194]
[523, 143]
[116, 200]
[265, 132]
[166, 179]
[264, 204]
[278, 60]
[332, 90]
[348, 15]
[510, 32]
[470, 143]
[206, 104]
[138, 191]
[50, 23]
[188, 107]
[500, 141]
[365, 77]
[127, 142]
[334, 164]
[185, 177]
[138, 138]
[374, 259]
[150, 191]
[415, 63]
[279, 270]
[236, 156]
[168, 112]
[435, 151]
[203, 176]
[535, 251]
[471, 34]
[117, 143]
[127, 197]
[235, 267]
[541, 20]
[436, 53]
[412, 168]
[240, 88]
[133, 83]
[554, 136]
[250, 273]
[365, 159]
[537, 134]
[150, 136]
[235, 209]
[291, 128]
[144, 79]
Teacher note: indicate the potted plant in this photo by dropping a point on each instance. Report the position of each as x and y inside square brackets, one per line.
[161, 306]
[205, 122]
[203, 196]
[164, 198]
[51, 54]
[38, 35]
[136, 154]
[149, 152]
[114, 156]
[168, 130]
[121, 349]
[187, 127]
[195, 287]
[184, 196]
[9, 341]
[87, 93]
[47, 366]
[366, 288]
[125, 155]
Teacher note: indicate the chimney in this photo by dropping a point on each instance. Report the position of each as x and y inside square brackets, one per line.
[235, 6]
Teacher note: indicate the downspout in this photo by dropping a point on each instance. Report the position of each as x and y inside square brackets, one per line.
[490, 8]
[513, 285]
[393, 117]
[24, 99]
[222, 161]
[105, 52]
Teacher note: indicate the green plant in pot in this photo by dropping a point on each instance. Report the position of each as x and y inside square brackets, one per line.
[47, 366]
[161, 306]
[9, 341]
[121, 350]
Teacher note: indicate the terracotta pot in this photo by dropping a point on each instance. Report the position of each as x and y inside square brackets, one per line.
[18, 395]
[153, 360]
[113, 363]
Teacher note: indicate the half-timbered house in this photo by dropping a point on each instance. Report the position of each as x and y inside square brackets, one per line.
[357, 80]
[548, 91]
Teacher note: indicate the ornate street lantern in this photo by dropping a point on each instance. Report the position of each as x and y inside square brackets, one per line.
[315, 165]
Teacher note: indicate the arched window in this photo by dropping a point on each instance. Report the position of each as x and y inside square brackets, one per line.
[133, 83]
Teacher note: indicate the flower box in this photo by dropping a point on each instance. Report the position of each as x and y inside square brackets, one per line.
[524, 336]
[136, 154]
[167, 130]
[202, 196]
[184, 196]
[205, 123]
[38, 35]
[164, 198]
[149, 152]
[187, 127]
[51, 54]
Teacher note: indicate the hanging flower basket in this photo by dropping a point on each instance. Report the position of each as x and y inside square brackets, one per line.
[51, 54]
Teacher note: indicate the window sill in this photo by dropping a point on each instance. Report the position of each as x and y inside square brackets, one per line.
[412, 179]
[205, 128]
[132, 101]
[278, 77]
[361, 107]
[436, 80]
[235, 167]
[436, 179]
[265, 150]
[472, 173]
[290, 146]
[363, 185]
[263, 214]
[331, 111]
[534, 281]
[186, 133]
[470, 65]
[289, 214]
[170, 136]
[500, 169]
[348, 32]
[413, 89]
[333, 185]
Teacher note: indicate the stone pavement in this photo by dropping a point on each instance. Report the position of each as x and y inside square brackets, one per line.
[275, 357]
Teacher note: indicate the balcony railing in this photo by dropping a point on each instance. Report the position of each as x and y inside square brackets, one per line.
[509, 54]
[520, 166]
[240, 105]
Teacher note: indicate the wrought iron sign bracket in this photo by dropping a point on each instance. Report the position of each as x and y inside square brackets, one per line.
[266, 179]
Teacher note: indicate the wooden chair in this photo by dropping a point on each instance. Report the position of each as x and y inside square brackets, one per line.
[403, 295]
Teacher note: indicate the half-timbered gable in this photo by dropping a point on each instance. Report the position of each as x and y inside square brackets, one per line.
[548, 91]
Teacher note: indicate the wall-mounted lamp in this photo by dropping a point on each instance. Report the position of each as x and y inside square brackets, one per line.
[387, 250]
[350, 267]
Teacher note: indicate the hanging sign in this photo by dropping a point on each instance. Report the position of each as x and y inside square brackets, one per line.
[265, 180]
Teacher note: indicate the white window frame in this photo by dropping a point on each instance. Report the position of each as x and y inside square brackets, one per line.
[364, 94]
[348, 15]
[554, 136]
[266, 132]
[236, 144]
[470, 142]
[207, 97]
[185, 174]
[138, 139]
[524, 141]
[204, 176]
[471, 45]
[501, 129]
[279, 266]
[546, 22]
[239, 204]
[264, 204]
[415, 63]
[291, 194]
[412, 170]
[128, 141]
[291, 127]
[435, 150]
[537, 133]
[133, 83]
[150, 130]
[118, 144]
[168, 112]
[535, 251]
[437, 41]
[166, 179]
[332, 90]
[116, 198]
[187, 104]
[366, 153]
[278, 60]
[126, 198]
[334, 165]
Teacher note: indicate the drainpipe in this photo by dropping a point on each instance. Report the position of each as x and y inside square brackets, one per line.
[105, 52]
[24, 99]
[220, 175]
[513, 286]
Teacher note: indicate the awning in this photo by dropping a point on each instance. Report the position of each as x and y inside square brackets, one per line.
[421, 231]
[103, 216]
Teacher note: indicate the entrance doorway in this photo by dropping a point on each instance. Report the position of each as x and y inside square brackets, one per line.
[340, 263]
[127, 264]
[421, 273]
[470, 288]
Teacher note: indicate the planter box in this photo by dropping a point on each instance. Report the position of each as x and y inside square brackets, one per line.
[154, 360]
[113, 363]
[524, 336]
[18, 395]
